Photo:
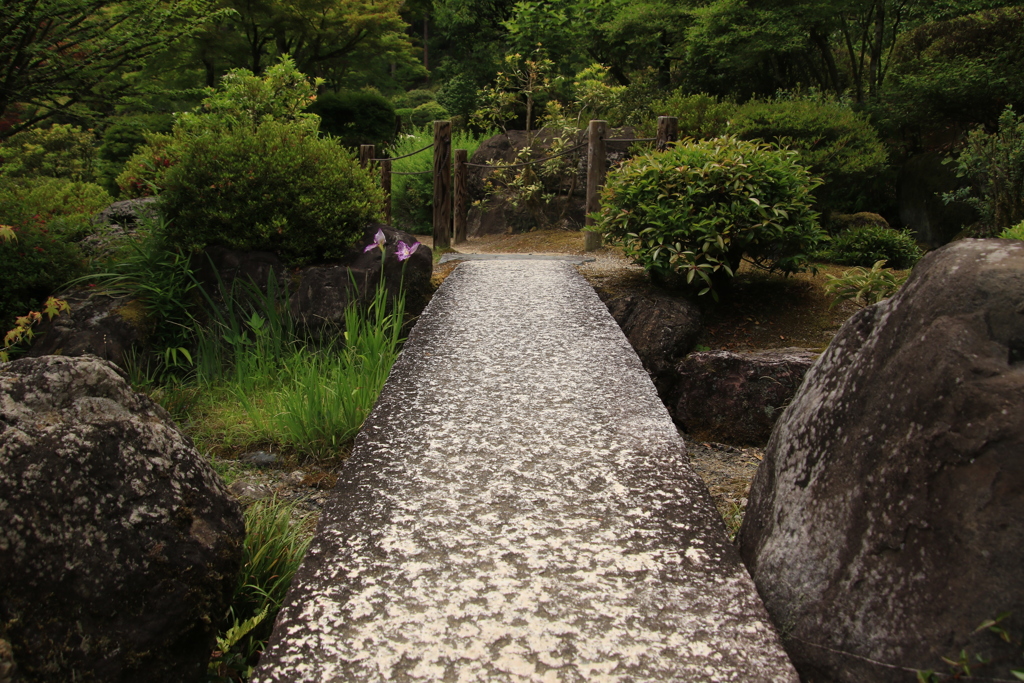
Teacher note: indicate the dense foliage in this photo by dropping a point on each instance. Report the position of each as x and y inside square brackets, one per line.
[834, 142]
[864, 245]
[73, 58]
[691, 213]
[248, 170]
[277, 188]
[356, 118]
[963, 70]
[994, 162]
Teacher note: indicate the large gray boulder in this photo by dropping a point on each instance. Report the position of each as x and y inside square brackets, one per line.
[661, 330]
[120, 545]
[887, 519]
[736, 397]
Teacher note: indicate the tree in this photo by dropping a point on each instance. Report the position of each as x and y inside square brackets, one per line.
[67, 57]
[329, 39]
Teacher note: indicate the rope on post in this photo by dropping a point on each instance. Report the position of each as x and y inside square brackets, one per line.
[461, 195]
[410, 154]
[442, 184]
[531, 162]
[597, 159]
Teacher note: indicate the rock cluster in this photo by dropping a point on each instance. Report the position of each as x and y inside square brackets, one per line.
[736, 397]
[887, 520]
[120, 544]
[661, 330]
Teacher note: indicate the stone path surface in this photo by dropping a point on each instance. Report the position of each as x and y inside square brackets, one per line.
[519, 507]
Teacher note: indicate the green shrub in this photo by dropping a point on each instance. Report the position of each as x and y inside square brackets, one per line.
[700, 115]
[248, 170]
[458, 96]
[61, 151]
[279, 188]
[863, 246]
[413, 99]
[143, 173]
[39, 201]
[1014, 233]
[356, 118]
[995, 164]
[696, 209]
[121, 140]
[425, 114]
[242, 101]
[835, 143]
[964, 70]
[33, 266]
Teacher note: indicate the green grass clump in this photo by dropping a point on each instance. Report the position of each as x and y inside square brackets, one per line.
[276, 538]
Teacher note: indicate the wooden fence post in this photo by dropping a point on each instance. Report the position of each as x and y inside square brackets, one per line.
[385, 183]
[365, 155]
[461, 195]
[597, 159]
[442, 184]
[668, 131]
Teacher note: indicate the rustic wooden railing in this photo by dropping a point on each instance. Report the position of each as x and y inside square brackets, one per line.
[449, 219]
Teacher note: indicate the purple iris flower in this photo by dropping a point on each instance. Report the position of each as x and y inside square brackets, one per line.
[405, 250]
[378, 241]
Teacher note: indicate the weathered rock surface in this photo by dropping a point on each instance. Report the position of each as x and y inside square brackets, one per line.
[519, 507]
[97, 324]
[115, 225]
[322, 292]
[127, 212]
[219, 267]
[887, 520]
[736, 397]
[120, 544]
[661, 330]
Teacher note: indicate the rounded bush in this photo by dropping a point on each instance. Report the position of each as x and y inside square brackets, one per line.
[837, 144]
[867, 244]
[278, 187]
[696, 209]
[356, 118]
[37, 201]
[425, 114]
[699, 115]
[413, 98]
[120, 141]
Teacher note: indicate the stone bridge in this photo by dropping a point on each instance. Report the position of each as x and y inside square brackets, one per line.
[519, 507]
